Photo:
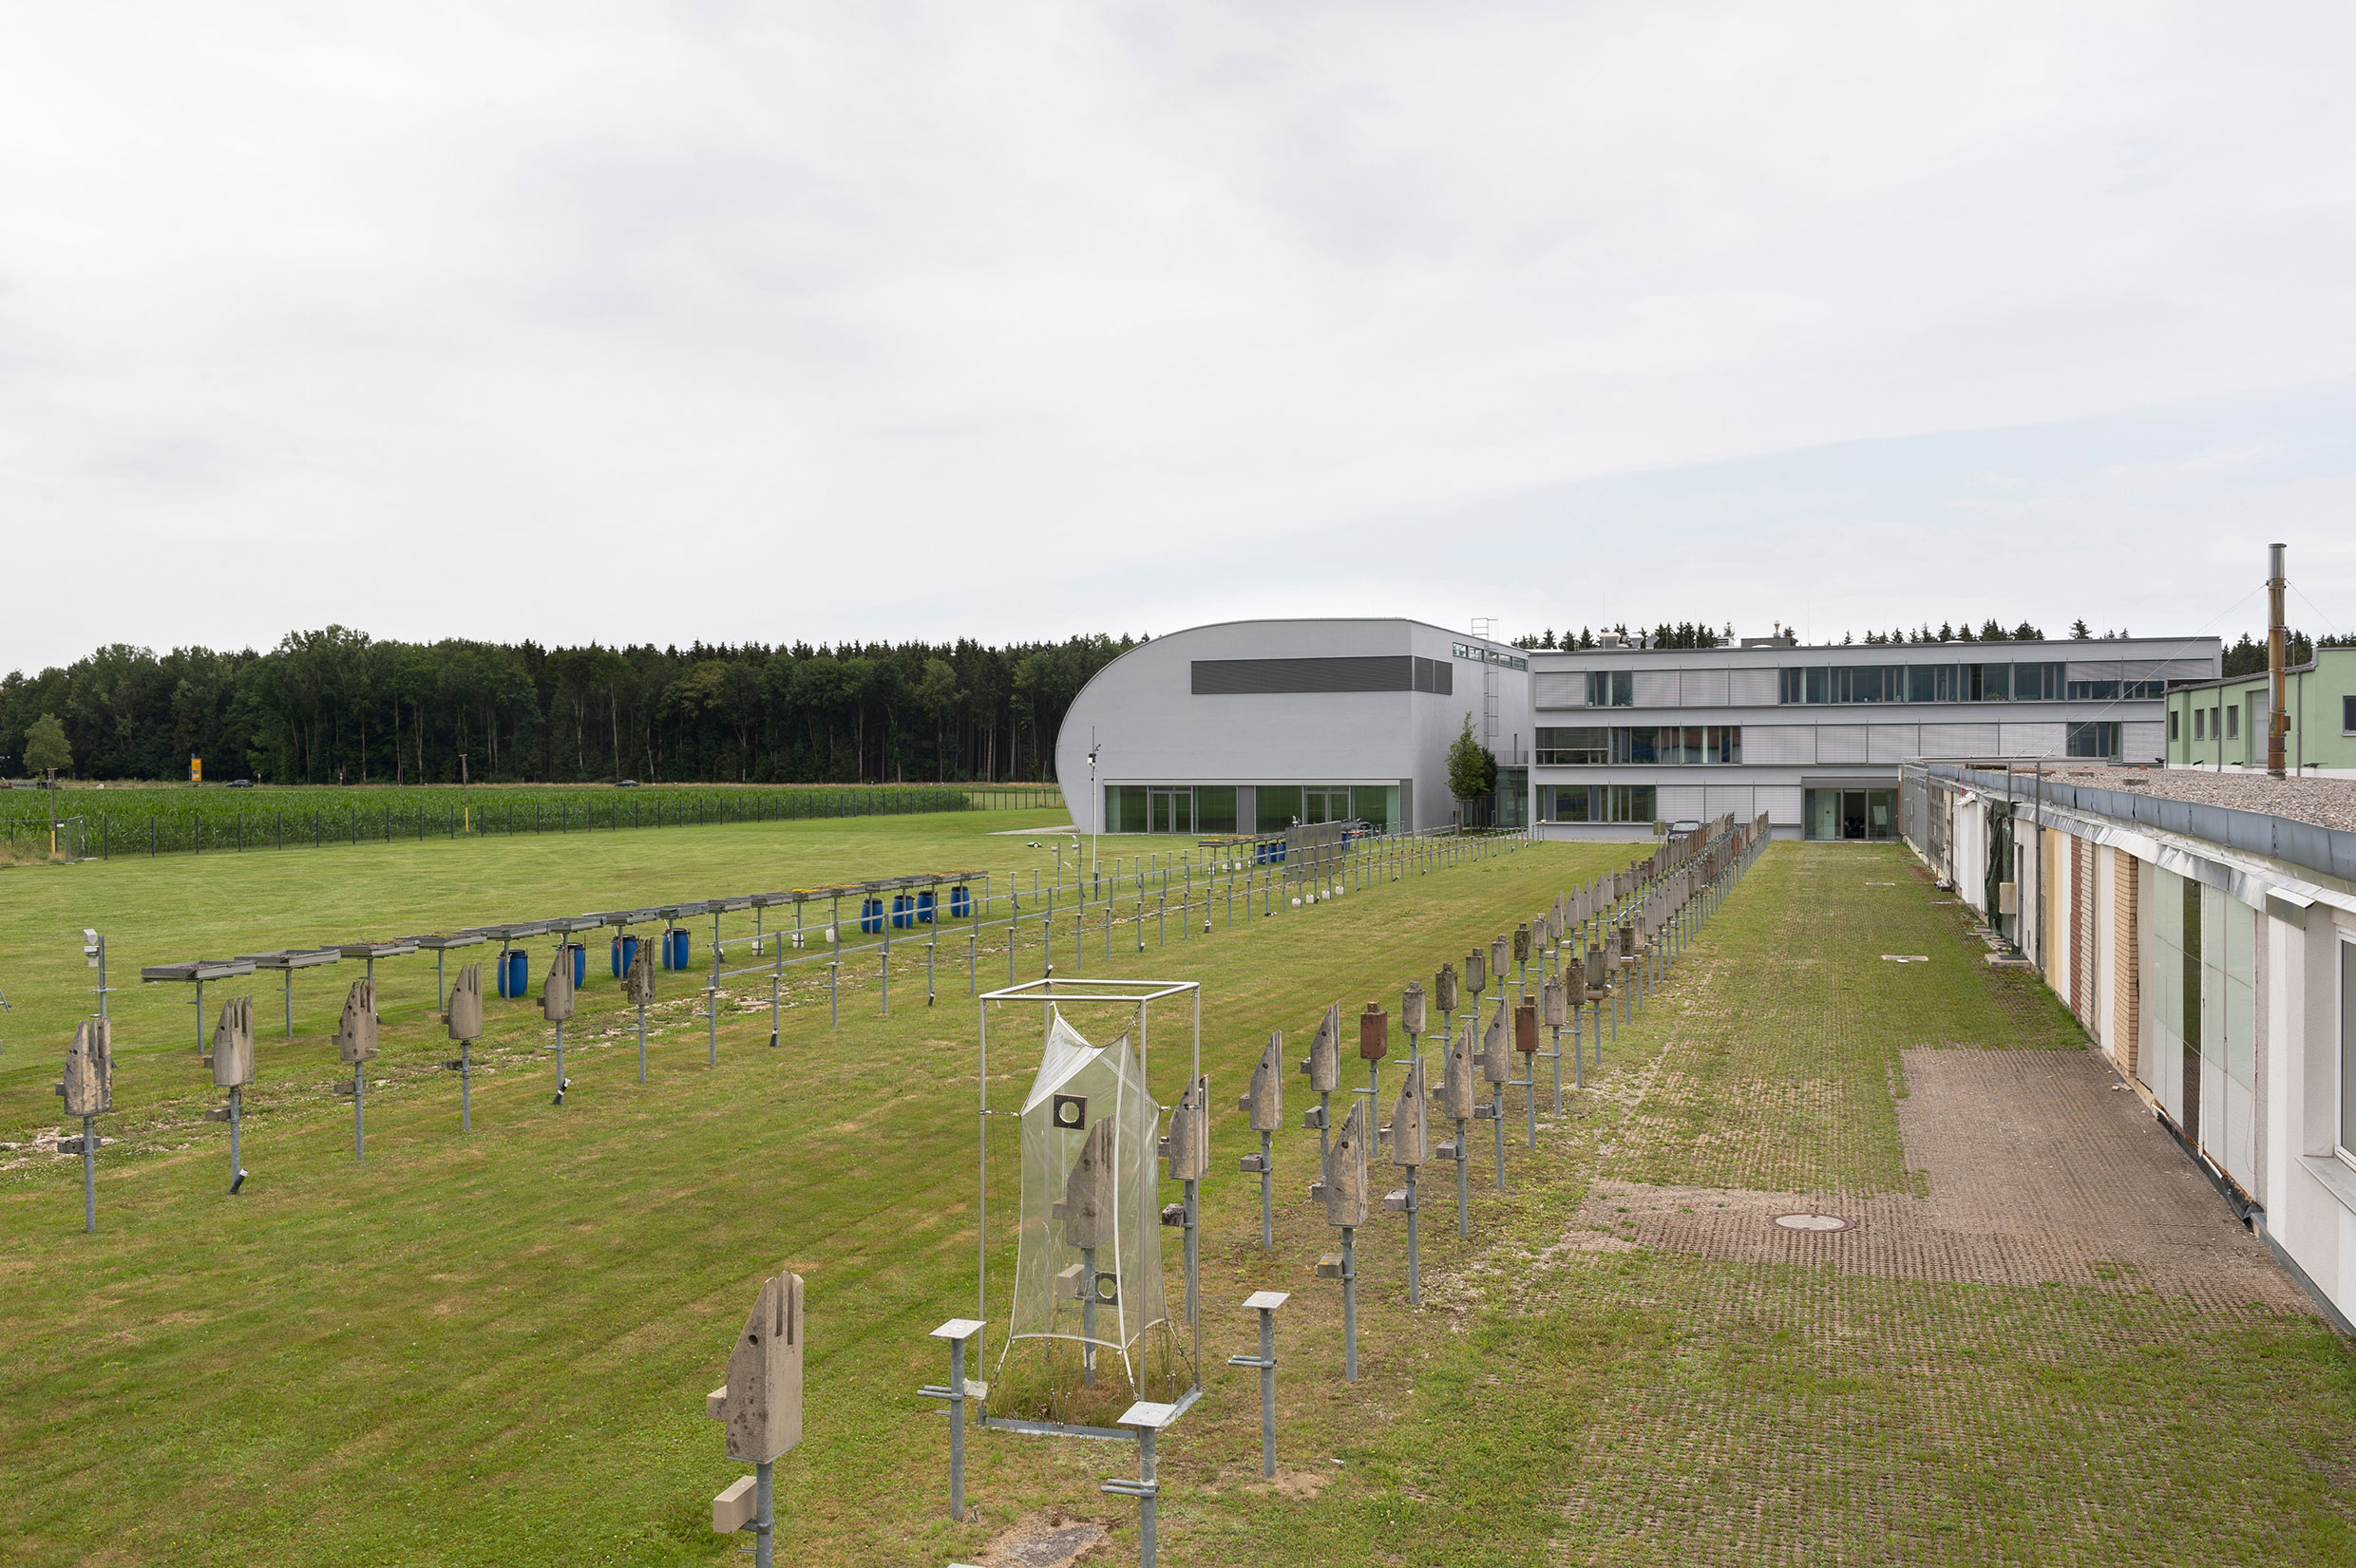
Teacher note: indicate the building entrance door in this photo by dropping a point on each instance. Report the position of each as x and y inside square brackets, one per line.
[1325, 805]
[1171, 811]
[1853, 814]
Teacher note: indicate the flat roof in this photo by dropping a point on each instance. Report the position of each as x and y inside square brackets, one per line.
[2326, 802]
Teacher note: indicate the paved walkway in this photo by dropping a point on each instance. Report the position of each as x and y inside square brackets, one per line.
[2039, 1168]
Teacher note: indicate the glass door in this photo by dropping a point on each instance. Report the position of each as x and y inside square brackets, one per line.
[1171, 811]
[1853, 814]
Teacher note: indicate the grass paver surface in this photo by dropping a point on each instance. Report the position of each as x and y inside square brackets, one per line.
[495, 1347]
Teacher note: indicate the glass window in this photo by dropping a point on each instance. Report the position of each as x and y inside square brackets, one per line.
[1214, 808]
[1376, 806]
[2172, 722]
[2037, 681]
[1125, 808]
[1280, 807]
[2348, 715]
[1574, 747]
[1922, 683]
[1628, 802]
[1638, 744]
[1821, 813]
[1817, 684]
[2200, 724]
[1612, 688]
[2232, 724]
[1991, 683]
[2098, 739]
[1726, 743]
[1571, 803]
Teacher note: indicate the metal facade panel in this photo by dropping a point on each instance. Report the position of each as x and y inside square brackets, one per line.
[1893, 743]
[1703, 688]
[1778, 742]
[1781, 803]
[1673, 802]
[2091, 669]
[1656, 688]
[2035, 740]
[1839, 743]
[1718, 800]
[1959, 740]
[1261, 677]
[1559, 688]
[1752, 688]
[2143, 741]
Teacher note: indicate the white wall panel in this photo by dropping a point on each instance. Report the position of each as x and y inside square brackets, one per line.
[1559, 688]
[2034, 740]
[1718, 800]
[1780, 801]
[1751, 687]
[1656, 688]
[1778, 742]
[1672, 801]
[1836, 743]
[1893, 743]
[1959, 740]
[1703, 688]
[2143, 741]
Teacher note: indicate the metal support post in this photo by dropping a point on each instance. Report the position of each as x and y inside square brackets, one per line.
[1267, 1302]
[1349, 1304]
[465, 1086]
[236, 1123]
[1194, 1231]
[764, 1515]
[89, 1175]
[956, 1331]
[1464, 1213]
[1088, 1318]
[359, 1110]
[777, 986]
[1268, 1205]
[560, 1099]
[1415, 1280]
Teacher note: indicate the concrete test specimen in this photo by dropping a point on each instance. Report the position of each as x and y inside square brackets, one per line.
[88, 1090]
[1188, 1148]
[464, 1019]
[355, 1044]
[1459, 1104]
[556, 1005]
[1264, 1104]
[639, 985]
[1497, 1070]
[1410, 1145]
[1323, 1068]
[232, 1062]
[1343, 1190]
[761, 1405]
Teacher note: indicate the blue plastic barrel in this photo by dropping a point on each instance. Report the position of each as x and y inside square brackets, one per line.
[871, 915]
[960, 901]
[924, 905]
[625, 953]
[904, 912]
[580, 963]
[514, 971]
[674, 949]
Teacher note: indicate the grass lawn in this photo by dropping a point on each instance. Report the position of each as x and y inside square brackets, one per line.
[494, 1348]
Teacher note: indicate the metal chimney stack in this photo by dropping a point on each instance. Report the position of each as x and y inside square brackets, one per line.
[2277, 655]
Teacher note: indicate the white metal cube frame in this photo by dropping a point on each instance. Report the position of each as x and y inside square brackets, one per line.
[1055, 997]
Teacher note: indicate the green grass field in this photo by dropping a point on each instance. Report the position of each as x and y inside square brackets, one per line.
[494, 1348]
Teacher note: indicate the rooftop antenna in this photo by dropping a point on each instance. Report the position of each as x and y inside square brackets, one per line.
[2277, 655]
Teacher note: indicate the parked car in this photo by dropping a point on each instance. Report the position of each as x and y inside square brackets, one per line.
[240, 784]
[625, 783]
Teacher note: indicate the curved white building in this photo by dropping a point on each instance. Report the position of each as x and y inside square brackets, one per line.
[1248, 726]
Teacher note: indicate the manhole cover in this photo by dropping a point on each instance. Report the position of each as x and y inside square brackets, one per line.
[1813, 1222]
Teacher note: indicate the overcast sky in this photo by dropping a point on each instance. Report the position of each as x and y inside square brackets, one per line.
[894, 320]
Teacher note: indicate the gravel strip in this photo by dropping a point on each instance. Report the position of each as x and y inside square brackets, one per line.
[2328, 802]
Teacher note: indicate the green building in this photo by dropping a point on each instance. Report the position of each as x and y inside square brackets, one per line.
[2222, 723]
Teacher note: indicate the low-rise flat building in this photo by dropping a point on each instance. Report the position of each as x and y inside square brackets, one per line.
[2221, 723]
[2202, 929]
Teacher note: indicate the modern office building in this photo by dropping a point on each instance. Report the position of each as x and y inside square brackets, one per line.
[1813, 736]
[1252, 726]
[2221, 723]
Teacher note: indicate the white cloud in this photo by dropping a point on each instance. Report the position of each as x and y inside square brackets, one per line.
[661, 322]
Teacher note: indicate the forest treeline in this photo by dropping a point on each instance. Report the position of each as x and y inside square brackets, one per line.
[337, 706]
